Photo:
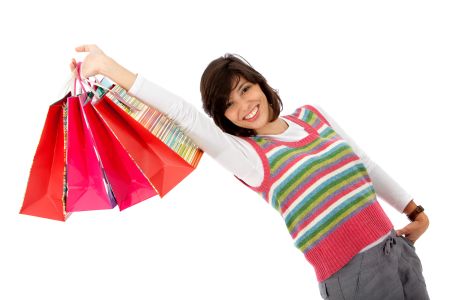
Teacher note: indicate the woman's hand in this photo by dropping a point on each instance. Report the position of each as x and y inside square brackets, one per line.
[415, 229]
[98, 63]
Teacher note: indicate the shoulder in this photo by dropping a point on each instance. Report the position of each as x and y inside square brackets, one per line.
[311, 112]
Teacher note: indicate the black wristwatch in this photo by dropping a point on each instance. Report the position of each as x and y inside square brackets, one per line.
[412, 216]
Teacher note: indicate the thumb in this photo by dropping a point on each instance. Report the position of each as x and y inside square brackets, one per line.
[401, 231]
[83, 48]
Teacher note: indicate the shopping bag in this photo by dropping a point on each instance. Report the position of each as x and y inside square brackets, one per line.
[73, 171]
[66, 174]
[92, 156]
[45, 193]
[157, 123]
[159, 148]
[87, 185]
[128, 183]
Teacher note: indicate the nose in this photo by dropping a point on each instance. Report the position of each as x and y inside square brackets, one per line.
[244, 107]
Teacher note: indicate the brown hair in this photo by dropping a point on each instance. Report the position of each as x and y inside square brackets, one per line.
[216, 86]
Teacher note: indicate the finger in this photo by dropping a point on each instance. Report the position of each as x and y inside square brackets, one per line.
[84, 48]
[81, 48]
[73, 64]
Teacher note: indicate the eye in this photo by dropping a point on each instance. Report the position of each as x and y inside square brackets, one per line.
[245, 89]
[228, 104]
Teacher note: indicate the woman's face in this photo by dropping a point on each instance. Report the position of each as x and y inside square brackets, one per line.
[248, 106]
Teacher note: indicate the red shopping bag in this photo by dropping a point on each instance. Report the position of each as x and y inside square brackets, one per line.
[128, 183]
[45, 194]
[91, 156]
[66, 174]
[160, 164]
[81, 166]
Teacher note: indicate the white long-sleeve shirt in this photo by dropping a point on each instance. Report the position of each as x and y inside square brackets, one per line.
[237, 155]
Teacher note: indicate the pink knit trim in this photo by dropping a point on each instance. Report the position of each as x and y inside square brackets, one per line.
[341, 245]
[317, 112]
[263, 187]
[266, 183]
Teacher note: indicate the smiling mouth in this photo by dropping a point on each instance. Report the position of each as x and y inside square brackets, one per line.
[252, 114]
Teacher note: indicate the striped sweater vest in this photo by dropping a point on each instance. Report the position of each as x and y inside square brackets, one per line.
[323, 191]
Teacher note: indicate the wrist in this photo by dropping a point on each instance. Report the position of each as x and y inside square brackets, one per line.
[107, 67]
[409, 207]
[412, 216]
[117, 73]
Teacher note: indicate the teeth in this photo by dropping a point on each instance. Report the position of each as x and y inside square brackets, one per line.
[252, 113]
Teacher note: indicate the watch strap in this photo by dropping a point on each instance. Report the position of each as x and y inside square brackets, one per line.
[412, 216]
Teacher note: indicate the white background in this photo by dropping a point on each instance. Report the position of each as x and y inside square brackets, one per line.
[380, 68]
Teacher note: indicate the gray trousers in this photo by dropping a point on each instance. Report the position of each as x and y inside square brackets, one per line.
[389, 271]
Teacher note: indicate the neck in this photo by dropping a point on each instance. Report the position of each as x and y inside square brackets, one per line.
[276, 127]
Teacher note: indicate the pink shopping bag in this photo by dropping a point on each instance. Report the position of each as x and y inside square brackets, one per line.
[128, 183]
[87, 185]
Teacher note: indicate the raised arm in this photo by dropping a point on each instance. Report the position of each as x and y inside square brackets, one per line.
[229, 151]
[98, 63]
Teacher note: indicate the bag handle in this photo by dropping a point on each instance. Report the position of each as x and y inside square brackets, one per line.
[78, 79]
[114, 93]
[83, 87]
[90, 85]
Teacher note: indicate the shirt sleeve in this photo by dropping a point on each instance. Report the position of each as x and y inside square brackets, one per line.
[385, 186]
[232, 152]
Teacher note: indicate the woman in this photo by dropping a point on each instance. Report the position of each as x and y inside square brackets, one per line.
[306, 167]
